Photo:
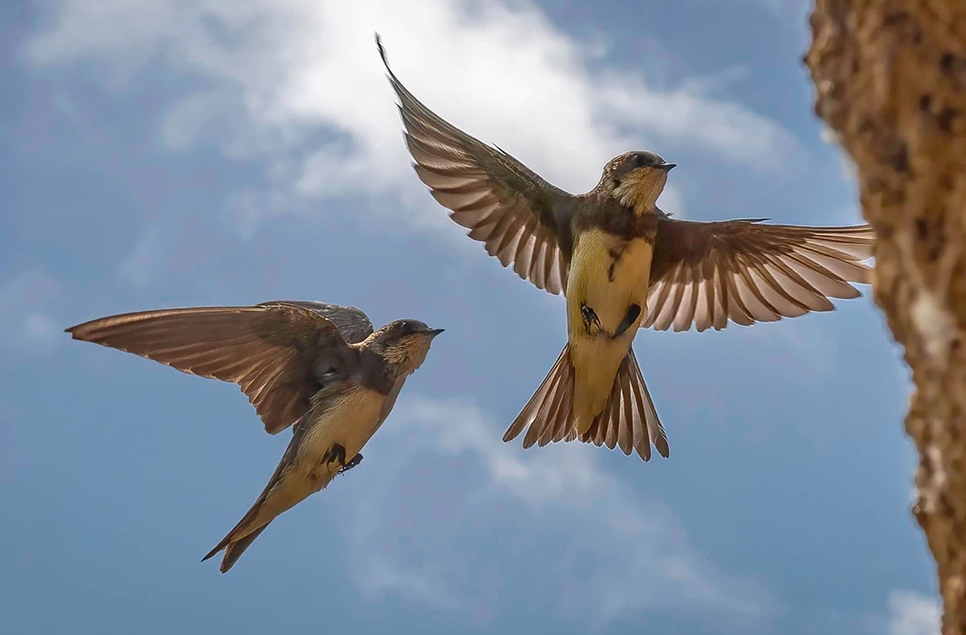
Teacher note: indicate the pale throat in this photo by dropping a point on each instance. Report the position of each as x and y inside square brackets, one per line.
[641, 193]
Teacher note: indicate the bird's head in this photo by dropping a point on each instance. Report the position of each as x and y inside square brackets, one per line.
[404, 344]
[636, 179]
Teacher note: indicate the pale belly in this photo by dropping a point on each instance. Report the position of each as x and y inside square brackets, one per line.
[607, 275]
[350, 423]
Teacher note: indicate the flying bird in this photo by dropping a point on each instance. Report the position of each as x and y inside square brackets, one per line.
[319, 366]
[622, 264]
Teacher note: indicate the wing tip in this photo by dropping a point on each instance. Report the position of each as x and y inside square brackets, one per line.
[381, 48]
[384, 56]
[83, 332]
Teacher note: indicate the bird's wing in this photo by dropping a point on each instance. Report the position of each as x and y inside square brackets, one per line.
[353, 324]
[708, 273]
[276, 352]
[505, 205]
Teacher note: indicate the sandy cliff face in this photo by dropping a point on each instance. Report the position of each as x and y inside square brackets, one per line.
[891, 82]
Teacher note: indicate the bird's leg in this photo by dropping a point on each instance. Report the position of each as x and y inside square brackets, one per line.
[591, 321]
[356, 460]
[335, 454]
[633, 312]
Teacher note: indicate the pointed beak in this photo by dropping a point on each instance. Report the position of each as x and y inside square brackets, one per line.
[434, 332]
[667, 167]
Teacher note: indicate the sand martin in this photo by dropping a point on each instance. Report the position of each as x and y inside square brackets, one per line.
[622, 264]
[319, 366]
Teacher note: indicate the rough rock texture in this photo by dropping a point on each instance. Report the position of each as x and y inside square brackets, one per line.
[891, 82]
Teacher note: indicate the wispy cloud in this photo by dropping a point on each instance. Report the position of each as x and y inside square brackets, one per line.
[911, 613]
[24, 319]
[612, 553]
[298, 82]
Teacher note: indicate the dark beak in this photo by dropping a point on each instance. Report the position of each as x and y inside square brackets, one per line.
[668, 166]
[434, 332]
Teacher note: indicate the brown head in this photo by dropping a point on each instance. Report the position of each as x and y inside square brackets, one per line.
[636, 179]
[403, 344]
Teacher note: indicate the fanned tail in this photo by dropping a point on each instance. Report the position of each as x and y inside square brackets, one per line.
[629, 419]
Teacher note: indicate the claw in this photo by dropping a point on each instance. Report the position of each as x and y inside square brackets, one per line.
[590, 318]
[335, 454]
[356, 460]
[633, 312]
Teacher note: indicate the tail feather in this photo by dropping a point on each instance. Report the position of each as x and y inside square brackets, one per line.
[538, 411]
[628, 420]
[242, 535]
[620, 407]
[554, 411]
[235, 543]
[234, 550]
[561, 404]
[655, 430]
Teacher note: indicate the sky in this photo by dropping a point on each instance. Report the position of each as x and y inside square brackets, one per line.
[166, 153]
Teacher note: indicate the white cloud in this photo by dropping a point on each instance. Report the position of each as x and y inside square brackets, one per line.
[912, 613]
[548, 519]
[24, 320]
[276, 74]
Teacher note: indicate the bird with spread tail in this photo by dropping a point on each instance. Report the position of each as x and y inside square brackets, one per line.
[319, 366]
[622, 264]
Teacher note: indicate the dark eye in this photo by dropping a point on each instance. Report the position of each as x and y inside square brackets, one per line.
[638, 161]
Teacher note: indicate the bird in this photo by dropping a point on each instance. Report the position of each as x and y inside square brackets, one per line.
[318, 366]
[622, 263]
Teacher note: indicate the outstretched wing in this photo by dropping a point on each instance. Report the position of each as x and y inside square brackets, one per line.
[515, 213]
[708, 273]
[276, 352]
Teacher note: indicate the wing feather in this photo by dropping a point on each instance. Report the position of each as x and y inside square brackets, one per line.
[708, 274]
[516, 213]
[276, 352]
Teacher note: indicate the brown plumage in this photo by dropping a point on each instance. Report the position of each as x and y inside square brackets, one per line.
[688, 273]
[319, 366]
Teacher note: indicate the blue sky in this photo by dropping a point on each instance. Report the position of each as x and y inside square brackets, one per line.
[160, 153]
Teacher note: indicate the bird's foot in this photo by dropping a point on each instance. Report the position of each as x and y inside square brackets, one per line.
[335, 454]
[633, 312]
[591, 321]
[356, 460]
